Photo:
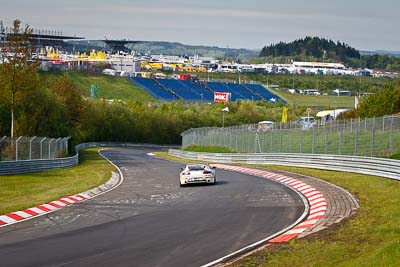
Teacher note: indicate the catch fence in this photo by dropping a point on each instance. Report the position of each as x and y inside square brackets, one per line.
[32, 148]
[374, 137]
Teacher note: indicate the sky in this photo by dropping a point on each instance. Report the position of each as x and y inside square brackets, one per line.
[252, 24]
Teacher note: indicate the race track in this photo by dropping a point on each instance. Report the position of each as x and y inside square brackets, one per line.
[150, 221]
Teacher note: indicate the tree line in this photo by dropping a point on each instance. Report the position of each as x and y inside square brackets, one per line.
[311, 47]
[323, 50]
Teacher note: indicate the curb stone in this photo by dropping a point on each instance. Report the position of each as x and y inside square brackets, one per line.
[39, 210]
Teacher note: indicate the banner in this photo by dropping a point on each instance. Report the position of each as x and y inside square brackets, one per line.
[284, 114]
[221, 97]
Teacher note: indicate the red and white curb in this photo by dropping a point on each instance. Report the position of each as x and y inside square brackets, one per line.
[26, 214]
[316, 200]
[30, 213]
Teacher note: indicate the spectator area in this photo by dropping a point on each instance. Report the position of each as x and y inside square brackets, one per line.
[169, 89]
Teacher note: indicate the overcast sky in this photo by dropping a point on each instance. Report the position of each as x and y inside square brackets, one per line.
[363, 24]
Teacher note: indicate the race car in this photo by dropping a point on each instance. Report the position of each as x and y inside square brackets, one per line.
[197, 174]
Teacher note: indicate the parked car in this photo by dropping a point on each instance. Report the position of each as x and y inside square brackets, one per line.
[265, 126]
[197, 174]
[306, 122]
[306, 119]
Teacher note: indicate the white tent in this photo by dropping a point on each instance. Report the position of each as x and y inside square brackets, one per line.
[332, 113]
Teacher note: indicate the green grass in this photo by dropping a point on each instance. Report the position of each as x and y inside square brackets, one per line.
[396, 156]
[370, 238]
[316, 101]
[210, 149]
[109, 87]
[18, 192]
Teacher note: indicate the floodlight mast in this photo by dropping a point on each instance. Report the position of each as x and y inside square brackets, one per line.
[226, 109]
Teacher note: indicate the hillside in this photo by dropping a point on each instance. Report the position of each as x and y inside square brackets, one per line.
[311, 48]
[108, 87]
[173, 48]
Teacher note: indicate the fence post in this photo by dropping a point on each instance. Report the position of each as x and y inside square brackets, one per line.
[373, 137]
[56, 149]
[30, 147]
[16, 148]
[301, 140]
[230, 138]
[356, 141]
[391, 137]
[51, 140]
[325, 141]
[313, 141]
[236, 138]
[41, 147]
[290, 140]
[351, 125]
[271, 140]
[1, 145]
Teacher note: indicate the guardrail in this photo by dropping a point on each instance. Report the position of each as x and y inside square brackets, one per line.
[25, 166]
[387, 168]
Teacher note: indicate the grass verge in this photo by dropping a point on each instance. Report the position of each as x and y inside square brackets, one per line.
[209, 149]
[396, 156]
[109, 87]
[21, 191]
[370, 238]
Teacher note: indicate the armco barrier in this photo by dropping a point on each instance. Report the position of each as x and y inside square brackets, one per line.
[25, 166]
[387, 168]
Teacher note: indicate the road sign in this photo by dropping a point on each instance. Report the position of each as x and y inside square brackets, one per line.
[93, 90]
[309, 110]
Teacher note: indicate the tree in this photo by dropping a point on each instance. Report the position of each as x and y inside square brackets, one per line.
[18, 72]
[384, 102]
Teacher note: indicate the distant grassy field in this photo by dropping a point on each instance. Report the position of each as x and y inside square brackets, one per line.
[108, 87]
[316, 101]
[21, 191]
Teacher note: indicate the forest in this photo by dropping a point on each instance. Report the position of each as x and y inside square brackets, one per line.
[323, 50]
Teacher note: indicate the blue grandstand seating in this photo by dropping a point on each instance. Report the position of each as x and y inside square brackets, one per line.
[179, 88]
[197, 91]
[223, 87]
[242, 91]
[149, 86]
[260, 90]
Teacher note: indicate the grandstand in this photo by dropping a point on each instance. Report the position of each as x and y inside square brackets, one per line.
[169, 89]
[40, 38]
[153, 89]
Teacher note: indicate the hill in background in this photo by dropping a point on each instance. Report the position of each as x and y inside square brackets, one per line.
[311, 48]
[172, 48]
[307, 49]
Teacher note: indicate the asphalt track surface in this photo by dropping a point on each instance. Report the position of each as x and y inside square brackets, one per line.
[150, 221]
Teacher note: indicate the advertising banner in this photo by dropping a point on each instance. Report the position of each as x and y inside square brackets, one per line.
[221, 97]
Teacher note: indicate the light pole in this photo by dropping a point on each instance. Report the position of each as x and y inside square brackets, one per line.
[223, 115]
[272, 101]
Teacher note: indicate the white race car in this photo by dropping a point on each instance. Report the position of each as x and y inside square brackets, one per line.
[196, 174]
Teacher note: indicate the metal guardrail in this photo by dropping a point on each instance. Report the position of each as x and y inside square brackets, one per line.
[387, 168]
[25, 166]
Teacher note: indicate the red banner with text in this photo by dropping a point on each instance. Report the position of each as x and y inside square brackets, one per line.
[221, 97]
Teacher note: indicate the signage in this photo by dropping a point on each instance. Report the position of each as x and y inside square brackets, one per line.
[221, 97]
